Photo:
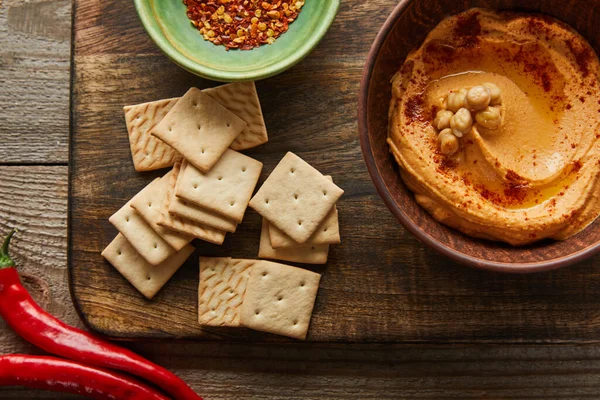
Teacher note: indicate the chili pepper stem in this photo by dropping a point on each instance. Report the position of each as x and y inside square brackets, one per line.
[5, 260]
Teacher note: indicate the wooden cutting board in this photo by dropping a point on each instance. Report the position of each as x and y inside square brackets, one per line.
[380, 284]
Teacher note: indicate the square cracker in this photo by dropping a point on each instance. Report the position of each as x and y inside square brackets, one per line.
[148, 203]
[280, 299]
[184, 225]
[225, 189]
[199, 128]
[221, 290]
[194, 213]
[327, 233]
[148, 279]
[142, 237]
[148, 152]
[307, 254]
[296, 198]
[241, 99]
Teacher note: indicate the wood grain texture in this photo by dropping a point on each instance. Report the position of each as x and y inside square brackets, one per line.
[34, 74]
[220, 371]
[34, 200]
[223, 371]
[380, 284]
[273, 372]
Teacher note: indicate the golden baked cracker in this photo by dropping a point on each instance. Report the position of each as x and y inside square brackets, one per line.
[307, 254]
[142, 237]
[199, 128]
[225, 189]
[194, 213]
[148, 203]
[279, 299]
[221, 290]
[327, 233]
[183, 225]
[148, 152]
[241, 99]
[148, 279]
[296, 198]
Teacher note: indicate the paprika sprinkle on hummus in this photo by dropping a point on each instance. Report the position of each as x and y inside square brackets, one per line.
[242, 24]
[494, 123]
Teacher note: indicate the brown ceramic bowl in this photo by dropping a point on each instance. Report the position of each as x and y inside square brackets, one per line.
[404, 30]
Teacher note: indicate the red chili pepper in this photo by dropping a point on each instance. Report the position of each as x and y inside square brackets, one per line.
[55, 374]
[43, 330]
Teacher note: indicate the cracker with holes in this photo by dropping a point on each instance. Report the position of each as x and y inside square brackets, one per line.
[241, 99]
[142, 237]
[148, 279]
[148, 152]
[184, 209]
[199, 128]
[221, 290]
[327, 233]
[279, 299]
[184, 225]
[307, 254]
[296, 198]
[148, 203]
[225, 189]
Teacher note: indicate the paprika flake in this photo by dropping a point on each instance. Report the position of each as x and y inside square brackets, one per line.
[242, 24]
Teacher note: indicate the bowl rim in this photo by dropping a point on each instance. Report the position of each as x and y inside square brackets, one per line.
[146, 17]
[405, 219]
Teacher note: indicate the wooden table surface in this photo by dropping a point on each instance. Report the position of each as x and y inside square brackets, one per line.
[34, 125]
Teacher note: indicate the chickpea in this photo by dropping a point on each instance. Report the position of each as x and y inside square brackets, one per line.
[448, 142]
[495, 92]
[456, 100]
[489, 118]
[478, 98]
[442, 119]
[461, 122]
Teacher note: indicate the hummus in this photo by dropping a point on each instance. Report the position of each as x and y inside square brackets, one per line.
[537, 174]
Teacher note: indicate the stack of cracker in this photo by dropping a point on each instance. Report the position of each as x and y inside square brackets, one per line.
[300, 219]
[149, 152]
[206, 193]
[256, 294]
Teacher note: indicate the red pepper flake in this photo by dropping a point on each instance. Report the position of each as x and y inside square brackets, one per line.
[414, 109]
[469, 28]
[512, 176]
[515, 194]
[448, 163]
[546, 82]
[584, 57]
[242, 24]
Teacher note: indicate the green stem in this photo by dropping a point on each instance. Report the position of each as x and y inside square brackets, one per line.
[5, 260]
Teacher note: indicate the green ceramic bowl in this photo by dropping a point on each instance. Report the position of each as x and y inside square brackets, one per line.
[168, 25]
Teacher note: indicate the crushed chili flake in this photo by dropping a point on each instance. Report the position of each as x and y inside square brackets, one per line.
[512, 176]
[414, 109]
[242, 24]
